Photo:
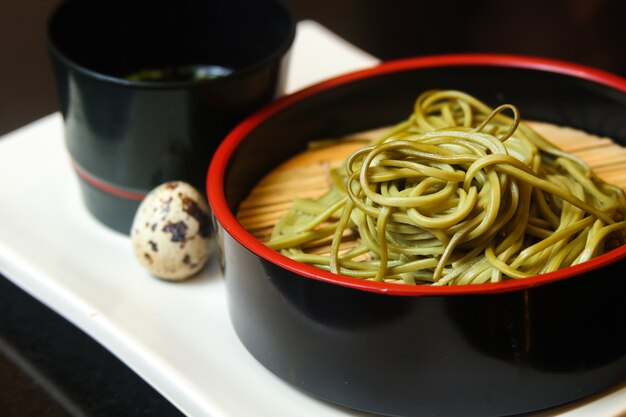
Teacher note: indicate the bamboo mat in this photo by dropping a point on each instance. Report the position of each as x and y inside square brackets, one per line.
[306, 175]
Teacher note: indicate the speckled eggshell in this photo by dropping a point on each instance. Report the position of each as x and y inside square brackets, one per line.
[171, 231]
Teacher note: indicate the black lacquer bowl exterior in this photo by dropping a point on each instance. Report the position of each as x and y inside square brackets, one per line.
[490, 349]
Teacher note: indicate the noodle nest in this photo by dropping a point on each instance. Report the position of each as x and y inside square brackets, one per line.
[457, 194]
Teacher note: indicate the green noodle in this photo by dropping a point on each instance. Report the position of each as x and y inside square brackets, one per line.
[457, 194]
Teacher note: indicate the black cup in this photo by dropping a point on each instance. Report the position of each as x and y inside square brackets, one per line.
[149, 89]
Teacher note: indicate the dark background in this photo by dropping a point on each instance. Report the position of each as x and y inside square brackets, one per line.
[50, 368]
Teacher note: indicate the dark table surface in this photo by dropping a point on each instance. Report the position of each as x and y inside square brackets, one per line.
[48, 367]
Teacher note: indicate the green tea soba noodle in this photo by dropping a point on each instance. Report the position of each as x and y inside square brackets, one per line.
[457, 194]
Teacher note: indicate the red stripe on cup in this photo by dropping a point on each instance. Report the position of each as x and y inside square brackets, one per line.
[106, 187]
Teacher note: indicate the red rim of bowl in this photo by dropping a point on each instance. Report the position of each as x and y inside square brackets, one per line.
[219, 163]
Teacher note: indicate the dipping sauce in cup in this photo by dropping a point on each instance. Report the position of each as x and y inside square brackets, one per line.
[149, 89]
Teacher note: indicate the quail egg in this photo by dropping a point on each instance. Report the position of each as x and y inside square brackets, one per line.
[171, 231]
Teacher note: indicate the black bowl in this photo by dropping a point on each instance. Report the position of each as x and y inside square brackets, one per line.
[489, 349]
[149, 88]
